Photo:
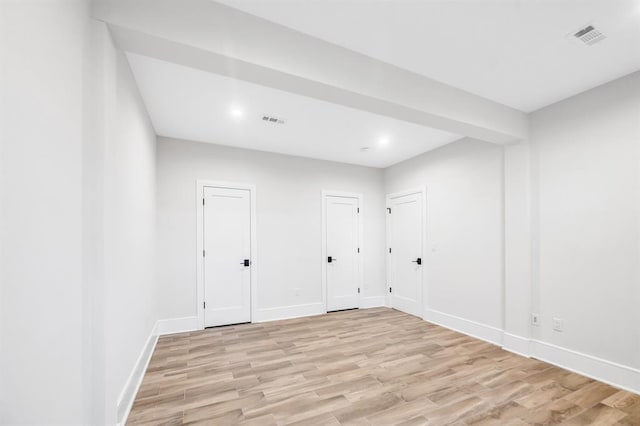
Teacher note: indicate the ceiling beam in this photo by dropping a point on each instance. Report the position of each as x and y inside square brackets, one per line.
[212, 37]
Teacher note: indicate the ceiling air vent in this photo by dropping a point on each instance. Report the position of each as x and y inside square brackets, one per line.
[272, 120]
[588, 35]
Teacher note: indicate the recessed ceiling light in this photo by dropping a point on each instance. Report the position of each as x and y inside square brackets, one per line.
[383, 141]
[364, 149]
[237, 112]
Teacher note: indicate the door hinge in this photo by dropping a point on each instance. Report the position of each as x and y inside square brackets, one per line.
[358, 249]
[389, 249]
[204, 305]
[358, 209]
[202, 253]
[358, 290]
[389, 209]
[389, 289]
[203, 201]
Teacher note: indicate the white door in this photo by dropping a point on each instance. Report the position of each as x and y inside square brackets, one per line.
[227, 249]
[405, 252]
[342, 251]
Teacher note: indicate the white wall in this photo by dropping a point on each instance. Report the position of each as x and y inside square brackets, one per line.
[517, 247]
[77, 228]
[586, 176]
[288, 221]
[129, 225]
[464, 227]
[93, 224]
[567, 202]
[41, 269]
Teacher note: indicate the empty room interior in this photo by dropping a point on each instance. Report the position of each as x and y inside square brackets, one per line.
[320, 212]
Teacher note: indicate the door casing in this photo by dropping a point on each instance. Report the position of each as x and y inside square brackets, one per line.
[201, 184]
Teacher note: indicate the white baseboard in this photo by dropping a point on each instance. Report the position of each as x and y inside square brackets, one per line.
[614, 374]
[471, 328]
[186, 324]
[161, 327]
[131, 386]
[516, 344]
[177, 325]
[373, 302]
[286, 312]
[618, 375]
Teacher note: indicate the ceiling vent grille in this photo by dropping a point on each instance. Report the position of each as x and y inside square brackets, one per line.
[589, 35]
[272, 120]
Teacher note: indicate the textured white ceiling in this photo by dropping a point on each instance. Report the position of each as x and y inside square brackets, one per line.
[510, 51]
[191, 104]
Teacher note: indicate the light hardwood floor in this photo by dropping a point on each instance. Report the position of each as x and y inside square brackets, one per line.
[374, 366]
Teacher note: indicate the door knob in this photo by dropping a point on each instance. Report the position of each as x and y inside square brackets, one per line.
[331, 259]
[246, 262]
[418, 261]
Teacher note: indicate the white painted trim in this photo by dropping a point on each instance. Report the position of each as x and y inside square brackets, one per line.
[373, 302]
[200, 185]
[177, 325]
[516, 344]
[287, 312]
[612, 373]
[131, 386]
[323, 259]
[471, 328]
[423, 289]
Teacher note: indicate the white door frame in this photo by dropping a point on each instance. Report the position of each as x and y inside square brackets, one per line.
[360, 263]
[423, 224]
[201, 184]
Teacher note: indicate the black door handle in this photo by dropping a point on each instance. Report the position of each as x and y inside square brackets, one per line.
[418, 261]
[331, 259]
[246, 262]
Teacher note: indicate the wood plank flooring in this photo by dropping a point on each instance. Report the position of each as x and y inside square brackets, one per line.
[363, 367]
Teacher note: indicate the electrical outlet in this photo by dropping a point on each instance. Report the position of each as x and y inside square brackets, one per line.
[535, 319]
[558, 324]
